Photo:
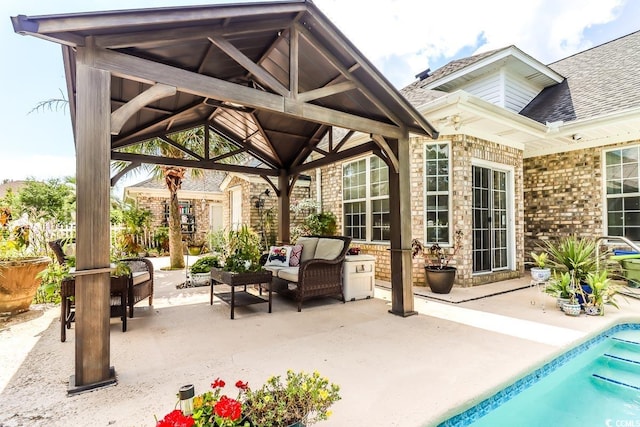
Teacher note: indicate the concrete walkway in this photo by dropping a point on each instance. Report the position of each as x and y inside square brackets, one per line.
[393, 371]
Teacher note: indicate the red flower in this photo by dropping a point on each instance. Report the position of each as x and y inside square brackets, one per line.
[241, 385]
[218, 383]
[228, 408]
[176, 419]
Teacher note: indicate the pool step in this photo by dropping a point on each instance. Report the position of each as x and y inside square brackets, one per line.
[625, 341]
[615, 381]
[622, 358]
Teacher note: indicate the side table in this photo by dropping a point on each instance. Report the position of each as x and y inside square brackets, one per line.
[240, 297]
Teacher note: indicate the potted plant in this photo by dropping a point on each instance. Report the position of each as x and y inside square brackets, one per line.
[576, 256]
[559, 286]
[20, 265]
[439, 275]
[201, 269]
[243, 249]
[601, 291]
[541, 272]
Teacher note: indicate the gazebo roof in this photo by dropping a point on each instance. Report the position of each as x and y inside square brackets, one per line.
[274, 78]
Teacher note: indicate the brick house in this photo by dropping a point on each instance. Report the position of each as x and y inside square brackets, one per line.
[526, 151]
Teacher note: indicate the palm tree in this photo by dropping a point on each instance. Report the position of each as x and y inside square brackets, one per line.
[191, 140]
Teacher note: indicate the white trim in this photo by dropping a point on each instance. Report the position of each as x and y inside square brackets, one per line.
[511, 208]
[451, 225]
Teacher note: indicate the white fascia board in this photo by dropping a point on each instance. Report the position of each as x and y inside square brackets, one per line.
[498, 56]
[164, 193]
[583, 125]
[487, 110]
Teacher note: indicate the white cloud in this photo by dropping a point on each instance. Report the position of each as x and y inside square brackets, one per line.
[419, 33]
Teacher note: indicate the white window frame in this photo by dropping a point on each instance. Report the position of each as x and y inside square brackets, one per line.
[428, 193]
[606, 196]
[368, 200]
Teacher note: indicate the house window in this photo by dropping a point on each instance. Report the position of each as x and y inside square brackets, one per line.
[623, 192]
[365, 196]
[437, 167]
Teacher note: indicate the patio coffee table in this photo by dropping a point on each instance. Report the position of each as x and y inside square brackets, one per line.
[239, 297]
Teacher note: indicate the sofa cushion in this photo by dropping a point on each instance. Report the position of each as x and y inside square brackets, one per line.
[328, 248]
[294, 259]
[289, 274]
[140, 277]
[308, 247]
[279, 256]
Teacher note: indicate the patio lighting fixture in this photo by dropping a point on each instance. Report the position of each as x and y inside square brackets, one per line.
[576, 137]
[186, 394]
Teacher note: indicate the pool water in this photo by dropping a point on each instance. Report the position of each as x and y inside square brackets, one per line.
[594, 384]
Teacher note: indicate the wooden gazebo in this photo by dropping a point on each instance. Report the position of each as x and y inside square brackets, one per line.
[274, 78]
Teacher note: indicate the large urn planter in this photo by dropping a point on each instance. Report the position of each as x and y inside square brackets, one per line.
[19, 283]
[440, 279]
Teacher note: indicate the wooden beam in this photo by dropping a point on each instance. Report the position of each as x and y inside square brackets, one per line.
[120, 116]
[326, 91]
[311, 144]
[384, 146]
[260, 73]
[335, 157]
[182, 148]
[293, 62]
[148, 108]
[344, 140]
[144, 70]
[92, 216]
[187, 163]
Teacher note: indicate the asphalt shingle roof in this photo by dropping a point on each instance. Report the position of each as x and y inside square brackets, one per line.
[600, 80]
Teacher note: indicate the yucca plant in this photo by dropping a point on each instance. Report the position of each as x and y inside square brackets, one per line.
[573, 254]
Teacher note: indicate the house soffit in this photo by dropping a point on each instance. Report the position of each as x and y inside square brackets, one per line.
[272, 79]
[462, 113]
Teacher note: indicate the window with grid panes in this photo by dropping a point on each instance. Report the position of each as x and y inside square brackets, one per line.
[365, 198]
[436, 185]
[623, 192]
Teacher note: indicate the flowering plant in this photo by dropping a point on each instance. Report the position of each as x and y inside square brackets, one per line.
[210, 409]
[301, 397]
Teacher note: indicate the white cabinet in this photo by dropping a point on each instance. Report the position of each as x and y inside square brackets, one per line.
[358, 277]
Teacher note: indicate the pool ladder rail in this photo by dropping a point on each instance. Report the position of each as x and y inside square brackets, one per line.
[622, 370]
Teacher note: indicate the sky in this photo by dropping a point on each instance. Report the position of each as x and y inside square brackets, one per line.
[400, 37]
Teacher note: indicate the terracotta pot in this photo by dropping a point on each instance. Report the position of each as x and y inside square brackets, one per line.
[18, 282]
[440, 280]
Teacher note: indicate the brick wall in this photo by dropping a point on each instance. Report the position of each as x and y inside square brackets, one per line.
[465, 150]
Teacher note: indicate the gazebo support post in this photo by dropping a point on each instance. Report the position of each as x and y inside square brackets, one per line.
[400, 218]
[284, 210]
[93, 143]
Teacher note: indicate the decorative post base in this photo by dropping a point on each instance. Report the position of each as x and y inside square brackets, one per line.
[77, 389]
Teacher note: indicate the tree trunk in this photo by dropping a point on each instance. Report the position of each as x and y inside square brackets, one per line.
[176, 257]
[173, 179]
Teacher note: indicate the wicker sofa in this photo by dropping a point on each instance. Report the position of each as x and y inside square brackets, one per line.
[319, 273]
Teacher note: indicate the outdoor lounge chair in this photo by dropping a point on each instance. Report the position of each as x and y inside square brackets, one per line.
[319, 273]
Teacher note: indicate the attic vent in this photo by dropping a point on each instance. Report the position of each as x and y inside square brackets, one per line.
[424, 74]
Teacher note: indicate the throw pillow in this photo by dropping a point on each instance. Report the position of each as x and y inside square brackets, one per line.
[296, 252]
[279, 256]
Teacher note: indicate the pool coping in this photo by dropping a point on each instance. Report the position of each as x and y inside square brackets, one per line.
[475, 408]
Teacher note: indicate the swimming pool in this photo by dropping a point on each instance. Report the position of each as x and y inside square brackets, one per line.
[594, 384]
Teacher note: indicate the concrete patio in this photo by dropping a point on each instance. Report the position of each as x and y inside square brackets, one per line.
[452, 353]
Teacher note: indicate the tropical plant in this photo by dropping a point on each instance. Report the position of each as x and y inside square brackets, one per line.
[573, 254]
[435, 256]
[320, 223]
[540, 259]
[51, 279]
[560, 285]
[601, 290]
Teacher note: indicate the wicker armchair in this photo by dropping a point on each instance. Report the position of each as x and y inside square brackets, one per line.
[315, 277]
[141, 281]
